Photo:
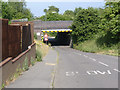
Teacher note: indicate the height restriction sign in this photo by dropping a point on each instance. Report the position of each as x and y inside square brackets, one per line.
[46, 37]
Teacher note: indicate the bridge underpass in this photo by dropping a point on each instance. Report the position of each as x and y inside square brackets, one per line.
[59, 27]
[63, 37]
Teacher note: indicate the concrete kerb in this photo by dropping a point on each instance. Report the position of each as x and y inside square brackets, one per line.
[54, 71]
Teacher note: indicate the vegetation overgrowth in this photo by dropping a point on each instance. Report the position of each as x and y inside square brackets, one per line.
[96, 29]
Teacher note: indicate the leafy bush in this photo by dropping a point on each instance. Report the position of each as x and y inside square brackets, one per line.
[110, 20]
[85, 24]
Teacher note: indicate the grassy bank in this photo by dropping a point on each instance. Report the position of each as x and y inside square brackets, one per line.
[41, 50]
[94, 46]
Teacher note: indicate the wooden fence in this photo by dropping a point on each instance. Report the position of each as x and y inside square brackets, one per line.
[4, 31]
[16, 38]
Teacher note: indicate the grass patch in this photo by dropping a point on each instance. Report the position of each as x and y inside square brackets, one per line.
[93, 46]
[25, 64]
[41, 50]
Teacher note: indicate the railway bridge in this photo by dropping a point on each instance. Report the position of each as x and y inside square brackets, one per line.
[60, 27]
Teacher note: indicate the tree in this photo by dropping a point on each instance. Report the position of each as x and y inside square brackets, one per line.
[7, 11]
[15, 10]
[69, 14]
[110, 19]
[51, 10]
[77, 10]
[85, 24]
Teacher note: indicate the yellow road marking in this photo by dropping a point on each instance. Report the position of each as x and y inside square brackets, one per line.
[52, 64]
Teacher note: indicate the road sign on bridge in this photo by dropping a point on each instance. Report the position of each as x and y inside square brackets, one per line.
[46, 37]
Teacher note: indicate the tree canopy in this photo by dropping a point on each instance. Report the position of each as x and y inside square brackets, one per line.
[15, 10]
[52, 14]
[52, 9]
[88, 22]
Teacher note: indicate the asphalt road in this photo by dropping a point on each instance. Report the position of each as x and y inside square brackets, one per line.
[78, 69]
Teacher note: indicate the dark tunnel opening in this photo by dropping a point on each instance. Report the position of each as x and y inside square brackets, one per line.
[62, 39]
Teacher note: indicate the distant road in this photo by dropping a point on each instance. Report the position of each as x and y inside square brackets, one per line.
[78, 69]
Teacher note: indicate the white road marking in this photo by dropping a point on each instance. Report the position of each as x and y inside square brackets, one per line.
[70, 73]
[104, 64]
[85, 56]
[77, 53]
[116, 70]
[77, 72]
[98, 72]
[92, 59]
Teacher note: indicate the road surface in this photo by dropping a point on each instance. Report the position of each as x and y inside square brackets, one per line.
[64, 67]
[78, 69]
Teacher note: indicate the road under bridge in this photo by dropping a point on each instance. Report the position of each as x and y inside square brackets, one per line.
[60, 27]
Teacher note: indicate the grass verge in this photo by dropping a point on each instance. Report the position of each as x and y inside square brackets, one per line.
[93, 47]
[41, 50]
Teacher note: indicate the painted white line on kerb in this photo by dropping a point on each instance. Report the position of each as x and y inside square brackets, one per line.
[104, 64]
[116, 70]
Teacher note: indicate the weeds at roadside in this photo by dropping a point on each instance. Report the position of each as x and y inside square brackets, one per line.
[38, 56]
[3, 86]
[25, 64]
[32, 61]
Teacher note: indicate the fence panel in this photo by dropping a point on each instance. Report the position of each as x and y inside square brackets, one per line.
[32, 31]
[5, 37]
[14, 40]
[31, 28]
[26, 37]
